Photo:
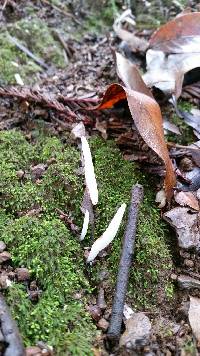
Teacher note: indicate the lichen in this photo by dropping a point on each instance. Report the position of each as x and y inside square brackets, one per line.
[53, 255]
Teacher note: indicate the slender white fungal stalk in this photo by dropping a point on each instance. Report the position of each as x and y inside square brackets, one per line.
[89, 171]
[85, 225]
[108, 235]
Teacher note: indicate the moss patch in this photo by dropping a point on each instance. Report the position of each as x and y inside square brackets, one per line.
[55, 258]
[37, 37]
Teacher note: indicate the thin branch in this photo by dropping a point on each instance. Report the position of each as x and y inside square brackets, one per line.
[27, 52]
[12, 338]
[62, 11]
[114, 330]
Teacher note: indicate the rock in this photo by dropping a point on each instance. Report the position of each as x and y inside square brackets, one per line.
[186, 164]
[186, 226]
[188, 263]
[186, 282]
[194, 318]
[4, 256]
[2, 246]
[103, 324]
[22, 274]
[95, 312]
[4, 281]
[20, 173]
[33, 351]
[138, 330]
[38, 171]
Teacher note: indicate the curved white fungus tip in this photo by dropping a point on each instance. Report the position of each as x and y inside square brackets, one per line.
[85, 225]
[111, 231]
[89, 171]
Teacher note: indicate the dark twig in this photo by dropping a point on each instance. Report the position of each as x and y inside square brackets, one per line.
[125, 264]
[14, 346]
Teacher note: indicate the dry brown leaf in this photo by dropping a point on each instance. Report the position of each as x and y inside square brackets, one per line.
[180, 35]
[174, 51]
[145, 112]
[187, 199]
[194, 317]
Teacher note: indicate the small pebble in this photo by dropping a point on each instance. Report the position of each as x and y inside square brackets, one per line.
[38, 171]
[22, 274]
[174, 277]
[2, 246]
[189, 263]
[186, 164]
[4, 256]
[95, 312]
[103, 324]
[20, 174]
[33, 351]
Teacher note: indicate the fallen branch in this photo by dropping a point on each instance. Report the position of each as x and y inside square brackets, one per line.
[12, 338]
[114, 330]
[28, 52]
[62, 11]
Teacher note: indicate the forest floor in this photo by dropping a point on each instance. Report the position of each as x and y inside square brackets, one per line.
[62, 305]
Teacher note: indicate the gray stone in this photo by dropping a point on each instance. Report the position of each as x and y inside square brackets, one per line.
[187, 282]
[2, 246]
[137, 333]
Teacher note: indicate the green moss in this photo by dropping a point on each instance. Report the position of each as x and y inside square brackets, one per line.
[36, 35]
[14, 61]
[187, 136]
[152, 264]
[101, 17]
[53, 255]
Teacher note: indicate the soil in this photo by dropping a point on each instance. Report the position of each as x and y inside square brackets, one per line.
[54, 294]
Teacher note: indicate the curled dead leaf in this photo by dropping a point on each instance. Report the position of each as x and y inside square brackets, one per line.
[174, 51]
[145, 112]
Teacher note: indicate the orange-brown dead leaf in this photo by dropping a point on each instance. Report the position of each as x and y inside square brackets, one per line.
[145, 112]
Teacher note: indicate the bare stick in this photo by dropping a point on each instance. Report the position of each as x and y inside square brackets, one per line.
[125, 264]
[10, 331]
[28, 52]
[62, 11]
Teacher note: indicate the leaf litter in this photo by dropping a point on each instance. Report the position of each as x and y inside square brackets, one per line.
[173, 52]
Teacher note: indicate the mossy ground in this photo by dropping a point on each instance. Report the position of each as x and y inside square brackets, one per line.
[54, 256]
[35, 35]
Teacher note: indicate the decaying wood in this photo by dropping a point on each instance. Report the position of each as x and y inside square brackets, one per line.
[14, 346]
[114, 330]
